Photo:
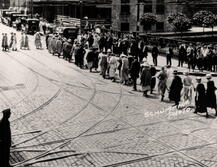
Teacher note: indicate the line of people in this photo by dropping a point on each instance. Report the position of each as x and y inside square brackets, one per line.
[127, 68]
[12, 44]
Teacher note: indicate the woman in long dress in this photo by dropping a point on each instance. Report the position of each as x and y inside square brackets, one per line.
[162, 84]
[26, 42]
[14, 43]
[113, 64]
[145, 79]
[124, 70]
[4, 42]
[38, 44]
[22, 41]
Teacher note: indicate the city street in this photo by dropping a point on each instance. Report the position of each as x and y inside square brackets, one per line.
[63, 116]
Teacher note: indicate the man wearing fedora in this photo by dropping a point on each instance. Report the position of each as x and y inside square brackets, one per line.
[5, 138]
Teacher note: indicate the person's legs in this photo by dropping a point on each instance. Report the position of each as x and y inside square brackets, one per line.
[134, 83]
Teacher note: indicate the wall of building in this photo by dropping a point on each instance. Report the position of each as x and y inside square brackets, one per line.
[162, 9]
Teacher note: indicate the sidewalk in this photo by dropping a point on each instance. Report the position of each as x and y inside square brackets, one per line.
[181, 70]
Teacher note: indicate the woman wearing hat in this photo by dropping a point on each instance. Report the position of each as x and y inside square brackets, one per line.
[175, 89]
[125, 69]
[113, 64]
[145, 79]
[210, 93]
[200, 98]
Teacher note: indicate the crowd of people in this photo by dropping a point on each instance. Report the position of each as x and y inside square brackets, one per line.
[125, 59]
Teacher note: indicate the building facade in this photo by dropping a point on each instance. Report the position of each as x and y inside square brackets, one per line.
[49, 9]
[126, 13]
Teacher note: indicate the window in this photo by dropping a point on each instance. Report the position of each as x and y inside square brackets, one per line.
[125, 26]
[160, 8]
[147, 8]
[125, 1]
[125, 9]
[160, 26]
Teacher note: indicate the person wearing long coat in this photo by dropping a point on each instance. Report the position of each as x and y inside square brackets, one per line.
[26, 42]
[145, 79]
[53, 45]
[11, 40]
[49, 39]
[113, 64]
[59, 45]
[103, 63]
[80, 54]
[68, 50]
[22, 41]
[38, 44]
[124, 70]
[175, 89]
[5, 139]
[4, 42]
[14, 43]
[210, 93]
[155, 53]
[134, 72]
[162, 84]
[200, 98]
[153, 78]
[90, 58]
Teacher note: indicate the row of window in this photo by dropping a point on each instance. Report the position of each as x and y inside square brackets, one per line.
[160, 9]
[159, 27]
[160, 6]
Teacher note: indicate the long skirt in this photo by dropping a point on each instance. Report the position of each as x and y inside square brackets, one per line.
[112, 70]
[124, 75]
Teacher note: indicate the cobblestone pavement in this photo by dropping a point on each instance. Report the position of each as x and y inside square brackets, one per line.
[63, 116]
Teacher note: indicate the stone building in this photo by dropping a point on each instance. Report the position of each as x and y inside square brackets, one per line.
[126, 13]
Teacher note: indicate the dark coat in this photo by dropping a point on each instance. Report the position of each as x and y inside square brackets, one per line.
[155, 52]
[135, 69]
[175, 89]
[200, 98]
[5, 133]
[90, 56]
[5, 142]
[90, 40]
[210, 94]
[182, 53]
[146, 77]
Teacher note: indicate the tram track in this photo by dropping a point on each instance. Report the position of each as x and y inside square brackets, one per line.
[64, 144]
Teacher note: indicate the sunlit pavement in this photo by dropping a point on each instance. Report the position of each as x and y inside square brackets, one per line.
[63, 116]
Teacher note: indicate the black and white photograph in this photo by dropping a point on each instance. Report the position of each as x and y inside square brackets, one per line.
[108, 83]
